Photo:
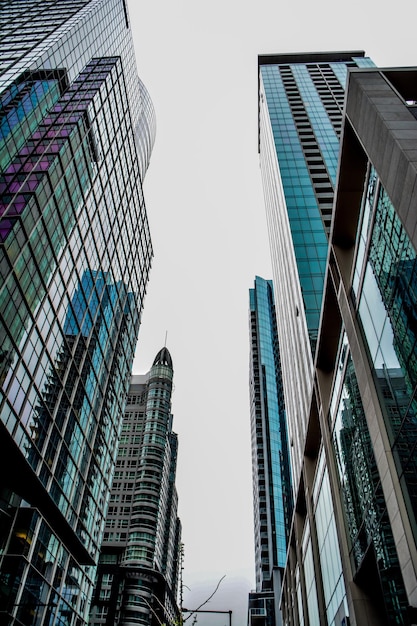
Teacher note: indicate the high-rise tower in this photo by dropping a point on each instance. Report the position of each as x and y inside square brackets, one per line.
[77, 128]
[300, 115]
[272, 489]
[137, 578]
[352, 556]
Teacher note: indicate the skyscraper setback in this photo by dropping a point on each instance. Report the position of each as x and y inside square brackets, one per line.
[77, 129]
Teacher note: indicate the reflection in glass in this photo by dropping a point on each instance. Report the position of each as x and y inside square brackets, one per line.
[390, 293]
[372, 543]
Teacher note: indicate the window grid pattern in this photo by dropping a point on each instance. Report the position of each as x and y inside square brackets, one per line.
[270, 453]
[92, 329]
[332, 95]
[75, 254]
[305, 104]
[286, 109]
[26, 24]
[313, 93]
[142, 525]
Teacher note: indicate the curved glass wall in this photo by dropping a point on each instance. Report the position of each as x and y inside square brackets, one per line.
[145, 130]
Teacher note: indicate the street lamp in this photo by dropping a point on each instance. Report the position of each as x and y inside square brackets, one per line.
[202, 611]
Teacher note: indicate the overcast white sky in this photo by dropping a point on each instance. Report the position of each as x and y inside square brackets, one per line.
[205, 207]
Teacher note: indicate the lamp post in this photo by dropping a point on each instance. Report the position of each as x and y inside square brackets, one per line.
[203, 611]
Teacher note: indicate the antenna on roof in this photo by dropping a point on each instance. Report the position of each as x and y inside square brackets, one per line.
[166, 335]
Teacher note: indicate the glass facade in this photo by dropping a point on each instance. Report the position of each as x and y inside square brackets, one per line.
[307, 230]
[371, 540]
[75, 254]
[305, 105]
[355, 502]
[309, 579]
[334, 591]
[385, 287]
[301, 100]
[142, 532]
[273, 504]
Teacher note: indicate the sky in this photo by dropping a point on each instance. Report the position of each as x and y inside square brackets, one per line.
[204, 200]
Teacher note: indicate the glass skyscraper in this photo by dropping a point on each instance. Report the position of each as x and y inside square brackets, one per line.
[137, 577]
[77, 129]
[352, 546]
[300, 116]
[272, 489]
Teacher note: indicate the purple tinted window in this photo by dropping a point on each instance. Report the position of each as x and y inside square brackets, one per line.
[5, 228]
